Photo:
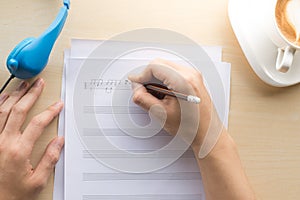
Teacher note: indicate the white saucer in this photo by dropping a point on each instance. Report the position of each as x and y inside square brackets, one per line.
[247, 20]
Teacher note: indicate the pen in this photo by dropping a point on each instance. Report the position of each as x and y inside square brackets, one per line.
[160, 91]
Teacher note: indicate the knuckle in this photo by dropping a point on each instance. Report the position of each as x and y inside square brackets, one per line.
[52, 158]
[37, 122]
[4, 111]
[15, 153]
[194, 77]
[19, 109]
[137, 98]
[195, 81]
[190, 79]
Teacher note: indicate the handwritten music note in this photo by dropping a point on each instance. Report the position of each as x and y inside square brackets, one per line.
[107, 85]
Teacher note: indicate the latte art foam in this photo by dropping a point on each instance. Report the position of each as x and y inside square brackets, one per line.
[288, 19]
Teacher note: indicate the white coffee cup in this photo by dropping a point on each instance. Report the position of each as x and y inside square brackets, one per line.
[286, 48]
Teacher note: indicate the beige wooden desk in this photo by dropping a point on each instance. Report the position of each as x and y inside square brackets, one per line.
[264, 121]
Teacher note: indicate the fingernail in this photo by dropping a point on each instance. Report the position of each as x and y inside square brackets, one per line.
[58, 104]
[22, 86]
[59, 142]
[38, 82]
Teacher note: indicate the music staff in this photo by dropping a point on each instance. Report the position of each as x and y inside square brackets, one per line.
[108, 85]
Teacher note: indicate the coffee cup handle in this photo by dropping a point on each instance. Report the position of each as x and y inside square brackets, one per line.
[285, 59]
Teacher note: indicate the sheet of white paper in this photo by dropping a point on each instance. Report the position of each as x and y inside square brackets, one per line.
[87, 178]
[58, 189]
[84, 48]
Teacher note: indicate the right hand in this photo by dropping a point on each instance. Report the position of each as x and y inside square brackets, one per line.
[221, 170]
[189, 119]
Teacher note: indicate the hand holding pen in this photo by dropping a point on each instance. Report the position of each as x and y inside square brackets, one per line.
[165, 102]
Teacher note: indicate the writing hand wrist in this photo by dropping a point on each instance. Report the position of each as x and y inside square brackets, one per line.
[224, 144]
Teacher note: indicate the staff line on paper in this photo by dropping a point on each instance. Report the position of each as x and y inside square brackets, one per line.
[141, 176]
[144, 196]
[135, 154]
[113, 110]
[119, 132]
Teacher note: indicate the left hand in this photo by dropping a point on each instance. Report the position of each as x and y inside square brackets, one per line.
[18, 179]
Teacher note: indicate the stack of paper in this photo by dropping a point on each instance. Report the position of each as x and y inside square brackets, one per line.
[93, 165]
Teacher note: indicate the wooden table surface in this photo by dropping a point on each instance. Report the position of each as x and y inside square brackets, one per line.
[263, 120]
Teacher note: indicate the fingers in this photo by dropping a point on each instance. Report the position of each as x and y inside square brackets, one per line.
[154, 70]
[20, 109]
[144, 99]
[161, 71]
[10, 101]
[37, 125]
[47, 163]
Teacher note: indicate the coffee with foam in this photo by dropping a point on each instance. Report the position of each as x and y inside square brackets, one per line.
[288, 19]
